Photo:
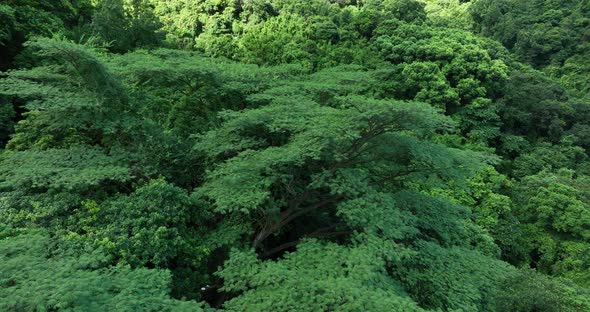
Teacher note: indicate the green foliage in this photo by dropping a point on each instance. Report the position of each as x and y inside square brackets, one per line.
[150, 226]
[23, 19]
[73, 169]
[528, 290]
[125, 27]
[32, 279]
[545, 156]
[540, 33]
[85, 117]
[574, 71]
[451, 278]
[206, 86]
[281, 39]
[535, 106]
[303, 135]
[7, 115]
[555, 211]
[320, 276]
[492, 209]
[449, 13]
[375, 155]
[450, 69]
[98, 111]
[295, 160]
[7, 14]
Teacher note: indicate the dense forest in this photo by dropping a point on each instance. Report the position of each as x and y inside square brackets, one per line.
[289, 155]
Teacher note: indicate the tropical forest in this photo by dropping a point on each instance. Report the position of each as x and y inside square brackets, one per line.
[295, 155]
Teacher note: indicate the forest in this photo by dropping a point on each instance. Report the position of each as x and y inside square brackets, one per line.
[290, 155]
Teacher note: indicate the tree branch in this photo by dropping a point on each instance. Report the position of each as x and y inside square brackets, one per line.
[318, 233]
[287, 217]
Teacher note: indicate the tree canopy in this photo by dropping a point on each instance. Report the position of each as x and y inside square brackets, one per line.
[375, 155]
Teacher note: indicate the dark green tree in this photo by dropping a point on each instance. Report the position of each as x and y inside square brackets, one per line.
[123, 27]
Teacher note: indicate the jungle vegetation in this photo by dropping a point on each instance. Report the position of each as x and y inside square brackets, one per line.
[287, 155]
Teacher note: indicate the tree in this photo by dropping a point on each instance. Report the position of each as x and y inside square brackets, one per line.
[448, 68]
[544, 34]
[449, 13]
[24, 19]
[7, 115]
[555, 212]
[295, 169]
[318, 275]
[75, 281]
[485, 194]
[535, 106]
[289, 159]
[528, 290]
[125, 28]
